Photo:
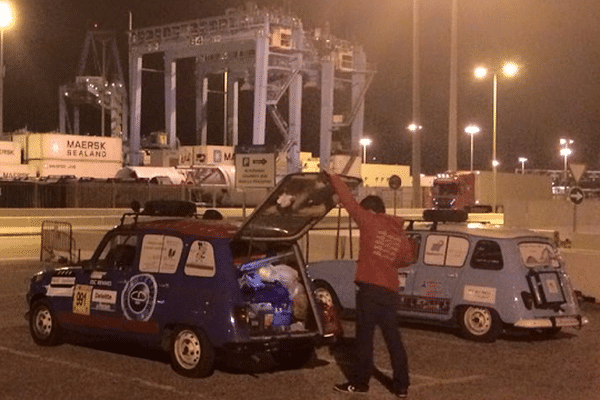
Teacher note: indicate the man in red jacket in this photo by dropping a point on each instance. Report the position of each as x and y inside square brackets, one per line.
[384, 247]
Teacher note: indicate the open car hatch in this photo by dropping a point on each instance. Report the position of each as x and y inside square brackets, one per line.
[296, 204]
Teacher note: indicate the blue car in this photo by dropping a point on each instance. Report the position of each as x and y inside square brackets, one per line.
[196, 286]
[479, 278]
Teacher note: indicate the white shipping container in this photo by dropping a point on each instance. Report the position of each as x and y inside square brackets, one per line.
[56, 146]
[10, 153]
[213, 155]
[19, 171]
[79, 169]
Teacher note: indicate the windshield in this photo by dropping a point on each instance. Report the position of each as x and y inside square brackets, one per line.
[538, 254]
[445, 189]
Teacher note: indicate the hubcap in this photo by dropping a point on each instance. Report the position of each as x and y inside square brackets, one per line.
[187, 349]
[43, 323]
[324, 296]
[478, 320]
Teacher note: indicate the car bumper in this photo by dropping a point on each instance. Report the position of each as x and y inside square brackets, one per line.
[266, 345]
[552, 322]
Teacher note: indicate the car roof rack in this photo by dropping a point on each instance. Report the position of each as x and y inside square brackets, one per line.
[168, 208]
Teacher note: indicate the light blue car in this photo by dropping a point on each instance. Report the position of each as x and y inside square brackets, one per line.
[482, 279]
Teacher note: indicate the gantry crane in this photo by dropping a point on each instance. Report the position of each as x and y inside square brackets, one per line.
[267, 51]
[99, 84]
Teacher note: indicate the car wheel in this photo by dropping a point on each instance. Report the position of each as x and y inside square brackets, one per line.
[192, 355]
[480, 324]
[43, 324]
[326, 295]
[293, 359]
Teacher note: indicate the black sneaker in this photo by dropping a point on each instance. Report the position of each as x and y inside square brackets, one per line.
[350, 388]
[401, 394]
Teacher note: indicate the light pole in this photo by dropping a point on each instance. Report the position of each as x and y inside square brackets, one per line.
[565, 151]
[472, 130]
[364, 142]
[509, 69]
[522, 160]
[6, 19]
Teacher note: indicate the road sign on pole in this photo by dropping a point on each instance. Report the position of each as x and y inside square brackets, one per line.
[255, 170]
[577, 170]
[576, 195]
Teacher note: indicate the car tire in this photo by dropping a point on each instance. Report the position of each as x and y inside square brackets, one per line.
[43, 324]
[293, 358]
[480, 324]
[192, 354]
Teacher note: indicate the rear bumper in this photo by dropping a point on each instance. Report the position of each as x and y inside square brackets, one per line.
[553, 322]
[267, 345]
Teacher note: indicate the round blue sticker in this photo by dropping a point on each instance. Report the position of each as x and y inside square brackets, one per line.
[139, 297]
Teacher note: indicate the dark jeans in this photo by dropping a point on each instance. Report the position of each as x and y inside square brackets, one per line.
[377, 306]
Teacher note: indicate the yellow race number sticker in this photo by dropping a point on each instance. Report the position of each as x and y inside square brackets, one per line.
[82, 297]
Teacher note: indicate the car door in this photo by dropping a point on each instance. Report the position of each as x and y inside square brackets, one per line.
[97, 292]
[437, 275]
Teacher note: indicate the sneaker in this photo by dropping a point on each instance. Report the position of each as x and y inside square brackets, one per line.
[350, 388]
[401, 394]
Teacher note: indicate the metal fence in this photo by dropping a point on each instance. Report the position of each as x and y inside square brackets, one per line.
[119, 194]
[82, 194]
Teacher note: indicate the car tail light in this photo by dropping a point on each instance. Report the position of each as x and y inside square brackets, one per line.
[332, 324]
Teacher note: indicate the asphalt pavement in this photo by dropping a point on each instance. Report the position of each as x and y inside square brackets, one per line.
[442, 365]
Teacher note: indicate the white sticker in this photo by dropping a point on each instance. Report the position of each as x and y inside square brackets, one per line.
[60, 280]
[104, 296]
[479, 294]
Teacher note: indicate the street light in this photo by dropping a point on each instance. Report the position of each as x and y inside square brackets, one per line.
[472, 130]
[509, 69]
[522, 160]
[364, 142]
[6, 19]
[566, 151]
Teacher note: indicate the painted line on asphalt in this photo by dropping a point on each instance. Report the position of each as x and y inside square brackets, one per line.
[100, 372]
[431, 381]
[437, 381]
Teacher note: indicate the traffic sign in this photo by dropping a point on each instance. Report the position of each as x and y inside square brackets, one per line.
[255, 170]
[576, 195]
[577, 170]
[395, 182]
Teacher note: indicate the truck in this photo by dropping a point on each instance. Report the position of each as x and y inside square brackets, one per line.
[473, 191]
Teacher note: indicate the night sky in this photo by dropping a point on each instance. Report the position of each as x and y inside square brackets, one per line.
[556, 94]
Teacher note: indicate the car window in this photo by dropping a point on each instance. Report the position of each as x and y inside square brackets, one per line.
[160, 253]
[487, 255]
[445, 250]
[118, 253]
[201, 259]
[537, 254]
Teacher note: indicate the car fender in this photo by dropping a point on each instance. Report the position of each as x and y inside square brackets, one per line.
[339, 274]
